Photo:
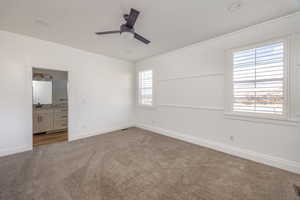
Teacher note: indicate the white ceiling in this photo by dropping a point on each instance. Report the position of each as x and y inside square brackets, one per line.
[169, 24]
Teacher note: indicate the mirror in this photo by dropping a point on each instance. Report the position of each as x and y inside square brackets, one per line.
[42, 92]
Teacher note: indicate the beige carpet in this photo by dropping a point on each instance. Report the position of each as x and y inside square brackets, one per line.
[138, 165]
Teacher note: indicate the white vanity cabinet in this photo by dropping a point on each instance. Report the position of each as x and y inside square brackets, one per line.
[43, 120]
[50, 119]
[35, 122]
[60, 118]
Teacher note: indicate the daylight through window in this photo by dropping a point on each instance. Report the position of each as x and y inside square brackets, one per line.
[145, 87]
[258, 77]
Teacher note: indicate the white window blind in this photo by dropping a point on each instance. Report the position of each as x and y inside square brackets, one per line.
[258, 77]
[145, 87]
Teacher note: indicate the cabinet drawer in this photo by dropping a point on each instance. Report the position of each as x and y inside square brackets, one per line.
[60, 124]
[60, 115]
[65, 110]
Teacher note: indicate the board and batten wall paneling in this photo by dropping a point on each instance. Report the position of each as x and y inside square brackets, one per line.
[196, 91]
[189, 99]
[297, 74]
[298, 91]
[93, 106]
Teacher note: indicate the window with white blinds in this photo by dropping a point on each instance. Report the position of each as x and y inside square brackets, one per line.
[258, 79]
[145, 87]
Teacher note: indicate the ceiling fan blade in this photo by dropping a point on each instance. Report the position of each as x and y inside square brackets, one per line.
[107, 32]
[141, 38]
[132, 17]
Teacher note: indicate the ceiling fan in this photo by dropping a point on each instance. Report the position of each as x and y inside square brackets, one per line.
[128, 27]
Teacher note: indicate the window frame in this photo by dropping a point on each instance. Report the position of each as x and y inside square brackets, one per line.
[286, 78]
[138, 89]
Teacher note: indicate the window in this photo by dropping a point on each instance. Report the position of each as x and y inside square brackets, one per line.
[145, 88]
[258, 80]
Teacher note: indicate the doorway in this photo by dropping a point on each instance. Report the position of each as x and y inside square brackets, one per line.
[50, 106]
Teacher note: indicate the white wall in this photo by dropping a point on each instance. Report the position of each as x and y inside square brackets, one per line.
[189, 96]
[101, 89]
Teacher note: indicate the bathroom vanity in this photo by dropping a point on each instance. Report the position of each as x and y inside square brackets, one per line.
[50, 118]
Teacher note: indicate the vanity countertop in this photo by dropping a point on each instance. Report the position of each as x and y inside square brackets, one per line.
[50, 106]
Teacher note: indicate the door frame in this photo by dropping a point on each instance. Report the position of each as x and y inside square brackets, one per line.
[53, 68]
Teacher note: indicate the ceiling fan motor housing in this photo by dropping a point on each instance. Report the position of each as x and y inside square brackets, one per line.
[126, 17]
[125, 28]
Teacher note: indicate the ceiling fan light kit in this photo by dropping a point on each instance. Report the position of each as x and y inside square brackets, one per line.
[127, 30]
[127, 35]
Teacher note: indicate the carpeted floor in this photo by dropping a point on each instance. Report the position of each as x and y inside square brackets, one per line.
[138, 165]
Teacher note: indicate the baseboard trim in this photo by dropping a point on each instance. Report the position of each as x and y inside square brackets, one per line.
[20, 149]
[272, 161]
[73, 137]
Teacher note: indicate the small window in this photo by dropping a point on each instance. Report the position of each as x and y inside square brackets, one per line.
[145, 88]
[258, 79]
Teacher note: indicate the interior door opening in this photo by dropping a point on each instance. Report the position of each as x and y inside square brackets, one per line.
[50, 106]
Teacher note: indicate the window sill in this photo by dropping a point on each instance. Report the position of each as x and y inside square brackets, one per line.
[262, 119]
